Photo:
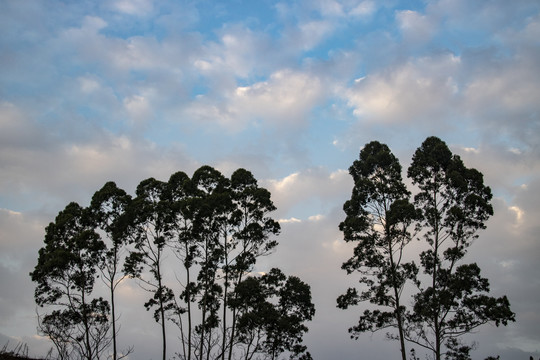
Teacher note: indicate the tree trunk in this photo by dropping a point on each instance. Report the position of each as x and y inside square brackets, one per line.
[86, 328]
[225, 296]
[396, 296]
[162, 312]
[436, 324]
[113, 314]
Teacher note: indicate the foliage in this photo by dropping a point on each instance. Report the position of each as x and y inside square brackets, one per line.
[452, 204]
[216, 228]
[272, 310]
[109, 216]
[147, 225]
[65, 276]
[378, 219]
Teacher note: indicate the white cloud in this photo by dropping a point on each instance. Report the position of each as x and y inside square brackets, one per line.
[418, 90]
[88, 84]
[512, 87]
[471, 150]
[138, 108]
[283, 101]
[416, 28]
[313, 32]
[134, 7]
[363, 9]
[116, 57]
[315, 218]
[519, 214]
[289, 221]
[240, 52]
[330, 8]
[339, 9]
[93, 24]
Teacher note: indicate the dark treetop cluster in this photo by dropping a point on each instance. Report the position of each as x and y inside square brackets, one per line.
[447, 298]
[216, 227]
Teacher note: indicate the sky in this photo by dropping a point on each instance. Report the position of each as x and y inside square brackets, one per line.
[124, 90]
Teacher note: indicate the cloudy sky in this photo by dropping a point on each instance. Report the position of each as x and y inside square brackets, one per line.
[92, 91]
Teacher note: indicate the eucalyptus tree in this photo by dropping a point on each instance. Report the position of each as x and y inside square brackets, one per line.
[181, 204]
[109, 211]
[218, 228]
[212, 204]
[248, 236]
[65, 275]
[148, 216]
[454, 204]
[378, 220]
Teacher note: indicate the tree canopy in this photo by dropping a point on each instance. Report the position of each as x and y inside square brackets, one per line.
[449, 297]
[216, 228]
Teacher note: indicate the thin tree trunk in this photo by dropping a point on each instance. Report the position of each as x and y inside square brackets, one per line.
[434, 282]
[161, 309]
[113, 322]
[188, 295]
[86, 328]
[203, 308]
[225, 296]
[397, 311]
[112, 279]
[233, 327]
[163, 334]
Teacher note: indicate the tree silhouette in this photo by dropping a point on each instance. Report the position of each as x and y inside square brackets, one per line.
[454, 204]
[217, 228]
[378, 219]
[65, 275]
[108, 209]
[148, 215]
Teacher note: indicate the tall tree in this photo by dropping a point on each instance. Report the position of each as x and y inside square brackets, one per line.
[182, 208]
[378, 218]
[147, 214]
[212, 203]
[219, 228]
[109, 211]
[248, 237]
[454, 205]
[65, 275]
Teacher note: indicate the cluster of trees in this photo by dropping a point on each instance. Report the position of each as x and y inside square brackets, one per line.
[216, 227]
[430, 304]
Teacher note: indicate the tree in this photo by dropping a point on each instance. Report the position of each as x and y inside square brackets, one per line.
[454, 204]
[65, 275]
[213, 203]
[109, 211]
[246, 237]
[218, 228]
[181, 204]
[147, 221]
[378, 219]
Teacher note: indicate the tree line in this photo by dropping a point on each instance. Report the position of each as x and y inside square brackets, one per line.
[219, 227]
[216, 227]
